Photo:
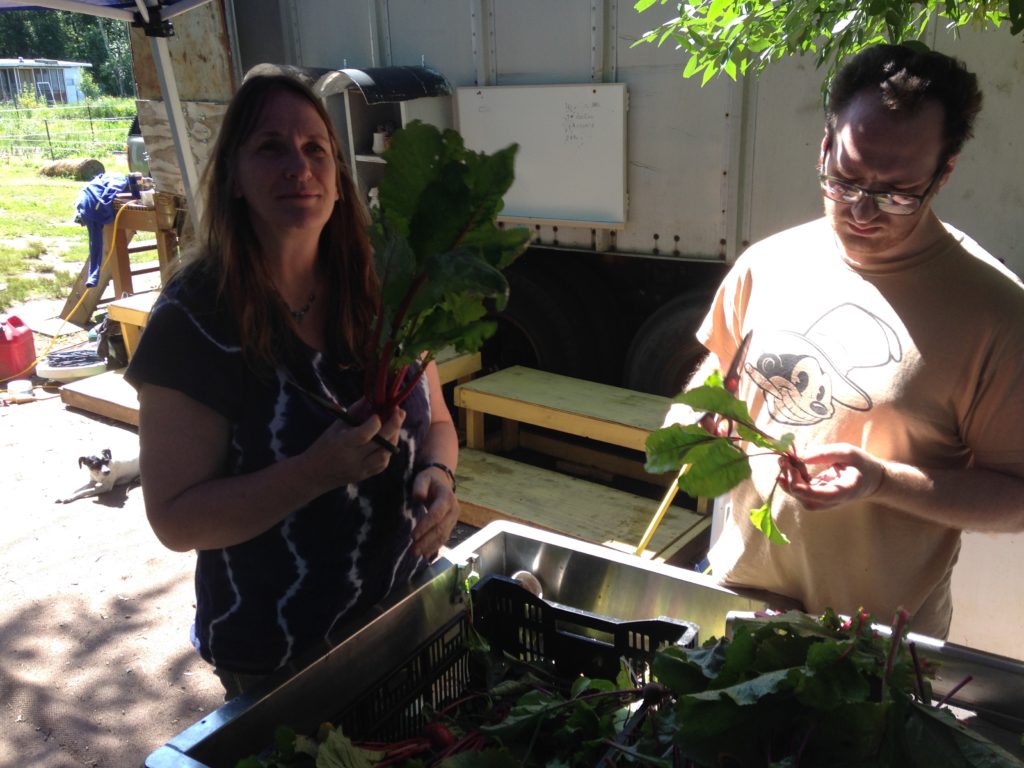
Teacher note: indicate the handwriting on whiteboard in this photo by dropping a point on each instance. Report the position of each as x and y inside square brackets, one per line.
[579, 122]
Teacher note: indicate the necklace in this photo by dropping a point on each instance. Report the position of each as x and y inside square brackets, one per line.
[300, 313]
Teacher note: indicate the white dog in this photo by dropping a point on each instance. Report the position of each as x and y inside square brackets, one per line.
[104, 472]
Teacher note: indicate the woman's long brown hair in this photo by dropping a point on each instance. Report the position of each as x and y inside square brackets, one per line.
[231, 252]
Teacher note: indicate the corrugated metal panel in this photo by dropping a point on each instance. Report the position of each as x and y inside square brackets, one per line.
[435, 34]
[539, 42]
[985, 194]
[332, 34]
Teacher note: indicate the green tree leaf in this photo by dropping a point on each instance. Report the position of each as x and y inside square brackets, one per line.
[723, 37]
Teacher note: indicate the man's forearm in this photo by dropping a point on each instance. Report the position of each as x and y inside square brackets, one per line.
[970, 499]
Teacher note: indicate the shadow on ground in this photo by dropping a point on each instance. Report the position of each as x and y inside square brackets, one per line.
[95, 664]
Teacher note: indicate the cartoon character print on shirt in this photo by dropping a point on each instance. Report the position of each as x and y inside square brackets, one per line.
[805, 376]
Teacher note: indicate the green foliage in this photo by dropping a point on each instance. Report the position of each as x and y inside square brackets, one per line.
[71, 36]
[783, 690]
[709, 465]
[89, 86]
[36, 215]
[737, 37]
[795, 690]
[439, 252]
[97, 128]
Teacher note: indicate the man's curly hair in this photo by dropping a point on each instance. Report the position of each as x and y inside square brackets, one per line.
[907, 78]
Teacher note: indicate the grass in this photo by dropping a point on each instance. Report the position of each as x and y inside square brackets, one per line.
[38, 232]
[79, 130]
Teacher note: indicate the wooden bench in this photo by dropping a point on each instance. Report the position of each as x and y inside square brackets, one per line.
[600, 412]
[495, 488]
[602, 415]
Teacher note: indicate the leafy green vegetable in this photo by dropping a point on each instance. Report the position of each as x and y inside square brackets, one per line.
[709, 465]
[786, 690]
[439, 253]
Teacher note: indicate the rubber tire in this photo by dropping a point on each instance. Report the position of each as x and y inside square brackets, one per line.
[540, 327]
[664, 351]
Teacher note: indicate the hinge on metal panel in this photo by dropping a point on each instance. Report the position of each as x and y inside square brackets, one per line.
[157, 26]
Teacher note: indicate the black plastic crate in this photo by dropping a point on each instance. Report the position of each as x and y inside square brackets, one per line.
[397, 706]
[515, 621]
[577, 642]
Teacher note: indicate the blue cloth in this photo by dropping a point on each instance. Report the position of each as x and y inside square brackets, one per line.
[95, 208]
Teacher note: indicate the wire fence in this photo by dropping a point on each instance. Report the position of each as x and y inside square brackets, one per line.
[64, 131]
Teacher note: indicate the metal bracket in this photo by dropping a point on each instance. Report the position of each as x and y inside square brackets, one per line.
[156, 26]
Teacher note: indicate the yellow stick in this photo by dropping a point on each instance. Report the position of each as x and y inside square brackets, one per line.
[666, 502]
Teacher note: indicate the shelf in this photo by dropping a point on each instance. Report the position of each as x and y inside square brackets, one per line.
[371, 159]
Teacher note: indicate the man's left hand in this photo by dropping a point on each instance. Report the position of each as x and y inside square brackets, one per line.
[849, 474]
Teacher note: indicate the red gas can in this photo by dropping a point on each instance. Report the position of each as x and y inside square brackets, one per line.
[17, 348]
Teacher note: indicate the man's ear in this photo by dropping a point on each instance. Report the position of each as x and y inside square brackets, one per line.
[947, 171]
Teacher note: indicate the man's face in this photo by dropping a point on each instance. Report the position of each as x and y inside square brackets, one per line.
[883, 152]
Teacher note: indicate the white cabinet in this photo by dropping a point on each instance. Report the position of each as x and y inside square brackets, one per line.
[363, 119]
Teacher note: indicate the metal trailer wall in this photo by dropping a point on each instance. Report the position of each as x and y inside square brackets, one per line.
[709, 169]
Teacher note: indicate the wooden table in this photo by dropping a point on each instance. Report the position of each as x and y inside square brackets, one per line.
[130, 219]
[132, 312]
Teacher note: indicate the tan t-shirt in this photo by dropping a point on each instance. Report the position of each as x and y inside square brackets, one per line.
[919, 361]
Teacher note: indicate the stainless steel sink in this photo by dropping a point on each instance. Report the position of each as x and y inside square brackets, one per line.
[571, 572]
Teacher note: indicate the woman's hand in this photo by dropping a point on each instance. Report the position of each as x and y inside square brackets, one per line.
[849, 474]
[433, 489]
[345, 454]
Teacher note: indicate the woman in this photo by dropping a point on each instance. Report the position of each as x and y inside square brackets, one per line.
[301, 522]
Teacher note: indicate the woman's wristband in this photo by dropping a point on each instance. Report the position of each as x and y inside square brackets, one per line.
[444, 468]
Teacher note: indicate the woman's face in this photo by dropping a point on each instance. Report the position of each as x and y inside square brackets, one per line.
[287, 172]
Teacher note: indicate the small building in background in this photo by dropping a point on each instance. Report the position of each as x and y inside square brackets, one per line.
[57, 82]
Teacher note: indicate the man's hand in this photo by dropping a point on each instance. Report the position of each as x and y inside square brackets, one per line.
[433, 488]
[849, 474]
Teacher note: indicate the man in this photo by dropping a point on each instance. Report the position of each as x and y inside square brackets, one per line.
[892, 348]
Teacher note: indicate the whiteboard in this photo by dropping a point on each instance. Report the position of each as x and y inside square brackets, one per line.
[571, 164]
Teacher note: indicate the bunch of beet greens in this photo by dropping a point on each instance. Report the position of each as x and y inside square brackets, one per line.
[710, 465]
[788, 690]
[439, 254]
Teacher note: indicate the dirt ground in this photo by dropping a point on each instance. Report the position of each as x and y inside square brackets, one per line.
[95, 663]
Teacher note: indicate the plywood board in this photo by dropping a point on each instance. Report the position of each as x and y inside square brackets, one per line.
[202, 121]
[107, 394]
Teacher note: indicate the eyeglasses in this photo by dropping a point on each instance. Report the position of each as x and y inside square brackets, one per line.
[897, 203]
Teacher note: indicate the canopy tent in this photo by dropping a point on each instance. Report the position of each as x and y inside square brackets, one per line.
[153, 17]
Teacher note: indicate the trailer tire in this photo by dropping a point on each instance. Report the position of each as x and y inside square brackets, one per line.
[539, 328]
[664, 351]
